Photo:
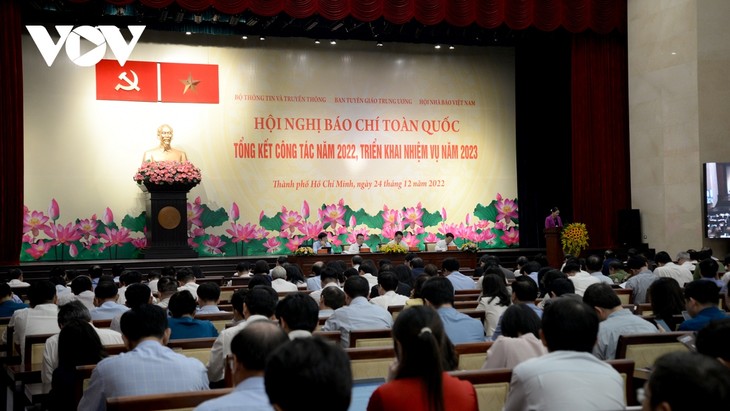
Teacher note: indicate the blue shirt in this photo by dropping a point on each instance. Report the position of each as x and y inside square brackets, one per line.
[187, 327]
[150, 368]
[108, 311]
[9, 307]
[702, 318]
[461, 282]
[359, 315]
[249, 395]
[460, 327]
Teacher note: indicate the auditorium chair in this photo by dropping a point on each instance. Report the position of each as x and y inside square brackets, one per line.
[370, 362]
[472, 355]
[394, 310]
[219, 320]
[102, 323]
[168, 401]
[626, 295]
[333, 336]
[371, 338]
[491, 386]
[644, 349]
[625, 368]
[198, 348]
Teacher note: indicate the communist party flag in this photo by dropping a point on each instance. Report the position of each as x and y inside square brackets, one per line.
[136, 81]
[189, 83]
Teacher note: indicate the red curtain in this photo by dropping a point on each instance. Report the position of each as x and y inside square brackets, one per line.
[600, 146]
[601, 16]
[11, 133]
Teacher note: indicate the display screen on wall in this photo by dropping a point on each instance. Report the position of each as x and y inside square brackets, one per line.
[717, 200]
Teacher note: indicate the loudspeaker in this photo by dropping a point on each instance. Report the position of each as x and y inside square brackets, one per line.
[629, 227]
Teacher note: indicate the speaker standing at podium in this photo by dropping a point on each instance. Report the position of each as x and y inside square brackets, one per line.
[553, 220]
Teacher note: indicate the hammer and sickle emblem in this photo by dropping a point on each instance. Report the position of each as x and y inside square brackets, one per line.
[131, 84]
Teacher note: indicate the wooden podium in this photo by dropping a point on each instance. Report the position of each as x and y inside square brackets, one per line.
[553, 247]
[167, 220]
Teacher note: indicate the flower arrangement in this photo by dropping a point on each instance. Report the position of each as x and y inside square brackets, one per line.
[168, 173]
[574, 238]
[394, 249]
[304, 251]
[470, 247]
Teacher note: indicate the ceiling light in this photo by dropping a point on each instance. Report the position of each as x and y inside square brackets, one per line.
[262, 38]
[379, 44]
[438, 46]
[333, 42]
[316, 41]
[188, 33]
[451, 47]
[244, 37]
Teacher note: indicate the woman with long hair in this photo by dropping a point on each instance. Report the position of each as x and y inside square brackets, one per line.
[495, 300]
[667, 300]
[520, 339]
[419, 378]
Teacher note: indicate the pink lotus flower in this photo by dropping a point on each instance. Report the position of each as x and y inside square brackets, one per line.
[261, 215]
[108, 217]
[333, 239]
[234, 214]
[27, 238]
[260, 233]
[333, 213]
[353, 221]
[511, 237]
[443, 213]
[89, 242]
[213, 245]
[482, 224]
[467, 219]
[241, 233]
[388, 231]
[34, 222]
[391, 216]
[506, 208]
[499, 225]
[305, 209]
[192, 244]
[311, 230]
[290, 220]
[413, 215]
[140, 243]
[39, 249]
[488, 236]
[411, 240]
[294, 243]
[430, 238]
[87, 227]
[198, 232]
[352, 238]
[447, 228]
[53, 211]
[61, 234]
[115, 236]
[195, 211]
[73, 251]
[272, 245]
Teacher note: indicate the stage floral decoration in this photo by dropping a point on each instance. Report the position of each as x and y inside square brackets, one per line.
[168, 173]
[304, 251]
[574, 238]
[393, 249]
[470, 247]
[217, 231]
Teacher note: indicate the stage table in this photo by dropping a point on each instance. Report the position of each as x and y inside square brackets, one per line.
[466, 259]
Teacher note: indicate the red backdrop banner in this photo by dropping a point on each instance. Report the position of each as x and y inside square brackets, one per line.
[136, 81]
[189, 83]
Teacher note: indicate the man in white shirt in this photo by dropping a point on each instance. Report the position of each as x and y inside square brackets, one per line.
[358, 314]
[16, 279]
[279, 283]
[581, 279]
[41, 319]
[569, 377]
[127, 278]
[594, 263]
[186, 281]
[166, 287]
[209, 295]
[298, 315]
[387, 283]
[328, 277]
[73, 310]
[355, 248]
[398, 239]
[321, 242]
[368, 271]
[105, 300]
[259, 304]
[667, 268]
[81, 290]
[447, 242]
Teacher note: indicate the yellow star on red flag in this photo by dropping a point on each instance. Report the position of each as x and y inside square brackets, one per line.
[189, 83]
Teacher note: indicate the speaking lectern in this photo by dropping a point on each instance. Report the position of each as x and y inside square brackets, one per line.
[167, 221]
[553, 248]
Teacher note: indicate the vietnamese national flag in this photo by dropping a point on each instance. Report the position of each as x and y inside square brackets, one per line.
[189, 83]
[136, 81]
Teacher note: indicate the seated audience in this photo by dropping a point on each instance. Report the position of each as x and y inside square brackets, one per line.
[416, 297]
[519, 341]
[250, 348]
[42, 318]
[243, 269]
[78, 344]
[186, 281]
[594, 263]
[308, 374]
[640, 280]
[258, 305]
[569, 377]
[524, 291]
[152, 279]
[615, 320]
[687, 381]
[149, 367]
[559, 287]
[81, 290]
[438, 292]
[166, 287]
[16, 279]
[313, 281]
[666, 268]
[73, 311]
[279, 282]
[358, 313]
[708, 271]
[387, 283]
[581, 279]
[209, 295]
[7, 304]
[616, 272]
[136, 295]
[127, 278]
[459, 281]
[298, 315]
[701, 302]
[714, 341]
[105, 300]
[431, 270]
[420, 380]
[330, 299]
[667, 301]
[182, 324]
[494, 301]
[328, 278]
[294, 275]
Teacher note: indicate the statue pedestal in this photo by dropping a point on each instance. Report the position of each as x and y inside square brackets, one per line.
[167, 222]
